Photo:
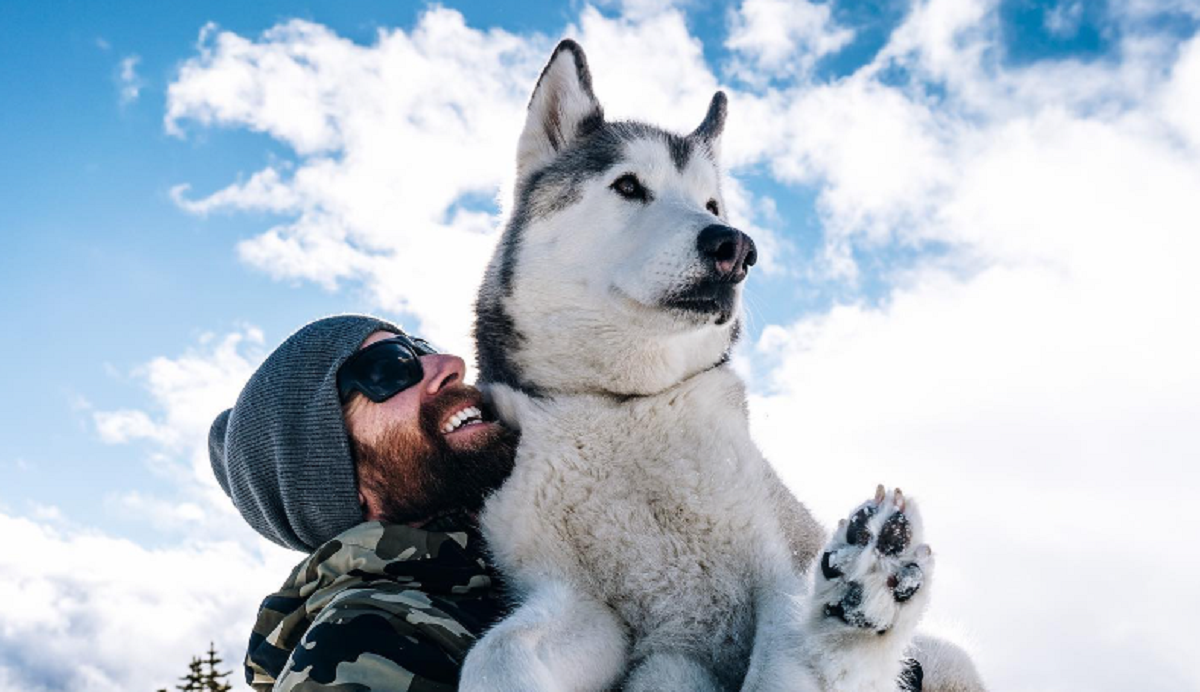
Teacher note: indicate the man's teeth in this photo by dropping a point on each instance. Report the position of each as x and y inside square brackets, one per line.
[469, 414]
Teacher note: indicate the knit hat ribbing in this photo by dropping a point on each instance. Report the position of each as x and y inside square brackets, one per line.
[282, 453]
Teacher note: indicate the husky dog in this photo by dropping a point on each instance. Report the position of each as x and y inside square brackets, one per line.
[650, 545]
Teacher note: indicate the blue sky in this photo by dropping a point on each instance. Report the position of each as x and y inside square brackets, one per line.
[939, 205]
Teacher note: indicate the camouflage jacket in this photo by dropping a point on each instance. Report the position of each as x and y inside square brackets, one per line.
[379, 607]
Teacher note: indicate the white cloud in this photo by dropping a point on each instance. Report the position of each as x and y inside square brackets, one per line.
[1181, 97]
[264, 191]
[189, 391]
[390, 137]
[393, 137]
[126, 616]
[783, 38]
[47, 513]
[1144, 9]
[1063, 19]
[879, 157]
[161, 513]
[758, 217]
[650, 68]
[1047, 431]
[128, 79]
[116, 427]
[101, 614]
[1035, 384]
[186, 393]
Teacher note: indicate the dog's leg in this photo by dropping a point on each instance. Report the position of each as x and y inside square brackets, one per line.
[557, 641]
[945, 667]
[670, 672]
[870, 588]
[775, 665]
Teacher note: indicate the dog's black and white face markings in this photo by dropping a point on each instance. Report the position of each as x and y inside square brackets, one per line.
[617, 243]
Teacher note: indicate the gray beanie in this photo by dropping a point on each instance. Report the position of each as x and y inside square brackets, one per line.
[282, 453]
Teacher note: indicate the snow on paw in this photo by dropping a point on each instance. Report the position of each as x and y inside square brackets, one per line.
[875, 569]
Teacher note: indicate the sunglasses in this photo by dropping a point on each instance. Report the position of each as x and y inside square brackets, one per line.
[383, 369]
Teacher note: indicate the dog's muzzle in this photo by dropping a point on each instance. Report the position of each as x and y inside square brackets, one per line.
[727, 254]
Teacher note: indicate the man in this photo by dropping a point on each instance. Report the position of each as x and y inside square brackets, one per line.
[364, 447]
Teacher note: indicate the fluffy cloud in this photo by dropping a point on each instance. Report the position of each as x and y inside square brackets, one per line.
[397, 144]
[1035, 380]
[1156, 9]
[783, 38]
[104, 614]
[402, 144]
[116, 427]
[878, 157]
[188, 391]
[1063, 19]
[97, 612]
[1180, 99]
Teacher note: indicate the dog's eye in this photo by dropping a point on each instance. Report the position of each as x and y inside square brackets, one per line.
[712, 206]
[629, 187]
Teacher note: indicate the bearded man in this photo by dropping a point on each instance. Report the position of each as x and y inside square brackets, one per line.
[364, 447]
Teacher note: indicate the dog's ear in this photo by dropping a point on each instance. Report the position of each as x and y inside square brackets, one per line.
[562, 109]
[714, 123]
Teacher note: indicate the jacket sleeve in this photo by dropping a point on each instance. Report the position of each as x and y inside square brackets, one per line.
[378, 638]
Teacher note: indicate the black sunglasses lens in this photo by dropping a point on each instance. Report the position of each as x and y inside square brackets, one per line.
[381, 372]
[422, 347]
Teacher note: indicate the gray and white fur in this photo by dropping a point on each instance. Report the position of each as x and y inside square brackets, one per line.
[650, 544]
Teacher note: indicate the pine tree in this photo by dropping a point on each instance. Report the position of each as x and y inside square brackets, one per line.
[204, 675]
[213, 679]
[193, 681]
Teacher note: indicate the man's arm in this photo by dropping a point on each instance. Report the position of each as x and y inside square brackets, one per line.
[375, 638]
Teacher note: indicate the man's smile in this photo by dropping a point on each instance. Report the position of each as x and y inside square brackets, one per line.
[467, 422]
[465, 416]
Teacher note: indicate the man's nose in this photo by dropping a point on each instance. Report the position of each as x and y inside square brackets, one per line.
[441, 370]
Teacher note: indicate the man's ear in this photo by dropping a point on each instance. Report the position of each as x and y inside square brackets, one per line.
[367, 512]
[562, 109]
[710, 130]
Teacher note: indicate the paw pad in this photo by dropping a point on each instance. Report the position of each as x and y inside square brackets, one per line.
[912, 677]
[848, 610]
[907, 582]
[875, 553]
[827, 567]
[895, 535]
[857, 532]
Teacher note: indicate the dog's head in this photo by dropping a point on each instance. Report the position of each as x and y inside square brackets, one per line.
[617, 272]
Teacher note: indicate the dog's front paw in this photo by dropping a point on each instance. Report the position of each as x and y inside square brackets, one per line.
[874, 573]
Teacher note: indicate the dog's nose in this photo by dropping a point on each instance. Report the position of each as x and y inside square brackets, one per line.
[731, 251]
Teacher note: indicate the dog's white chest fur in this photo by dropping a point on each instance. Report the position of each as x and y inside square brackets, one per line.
[657, 506]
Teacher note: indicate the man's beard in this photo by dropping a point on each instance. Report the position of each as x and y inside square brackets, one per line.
[416, 476]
